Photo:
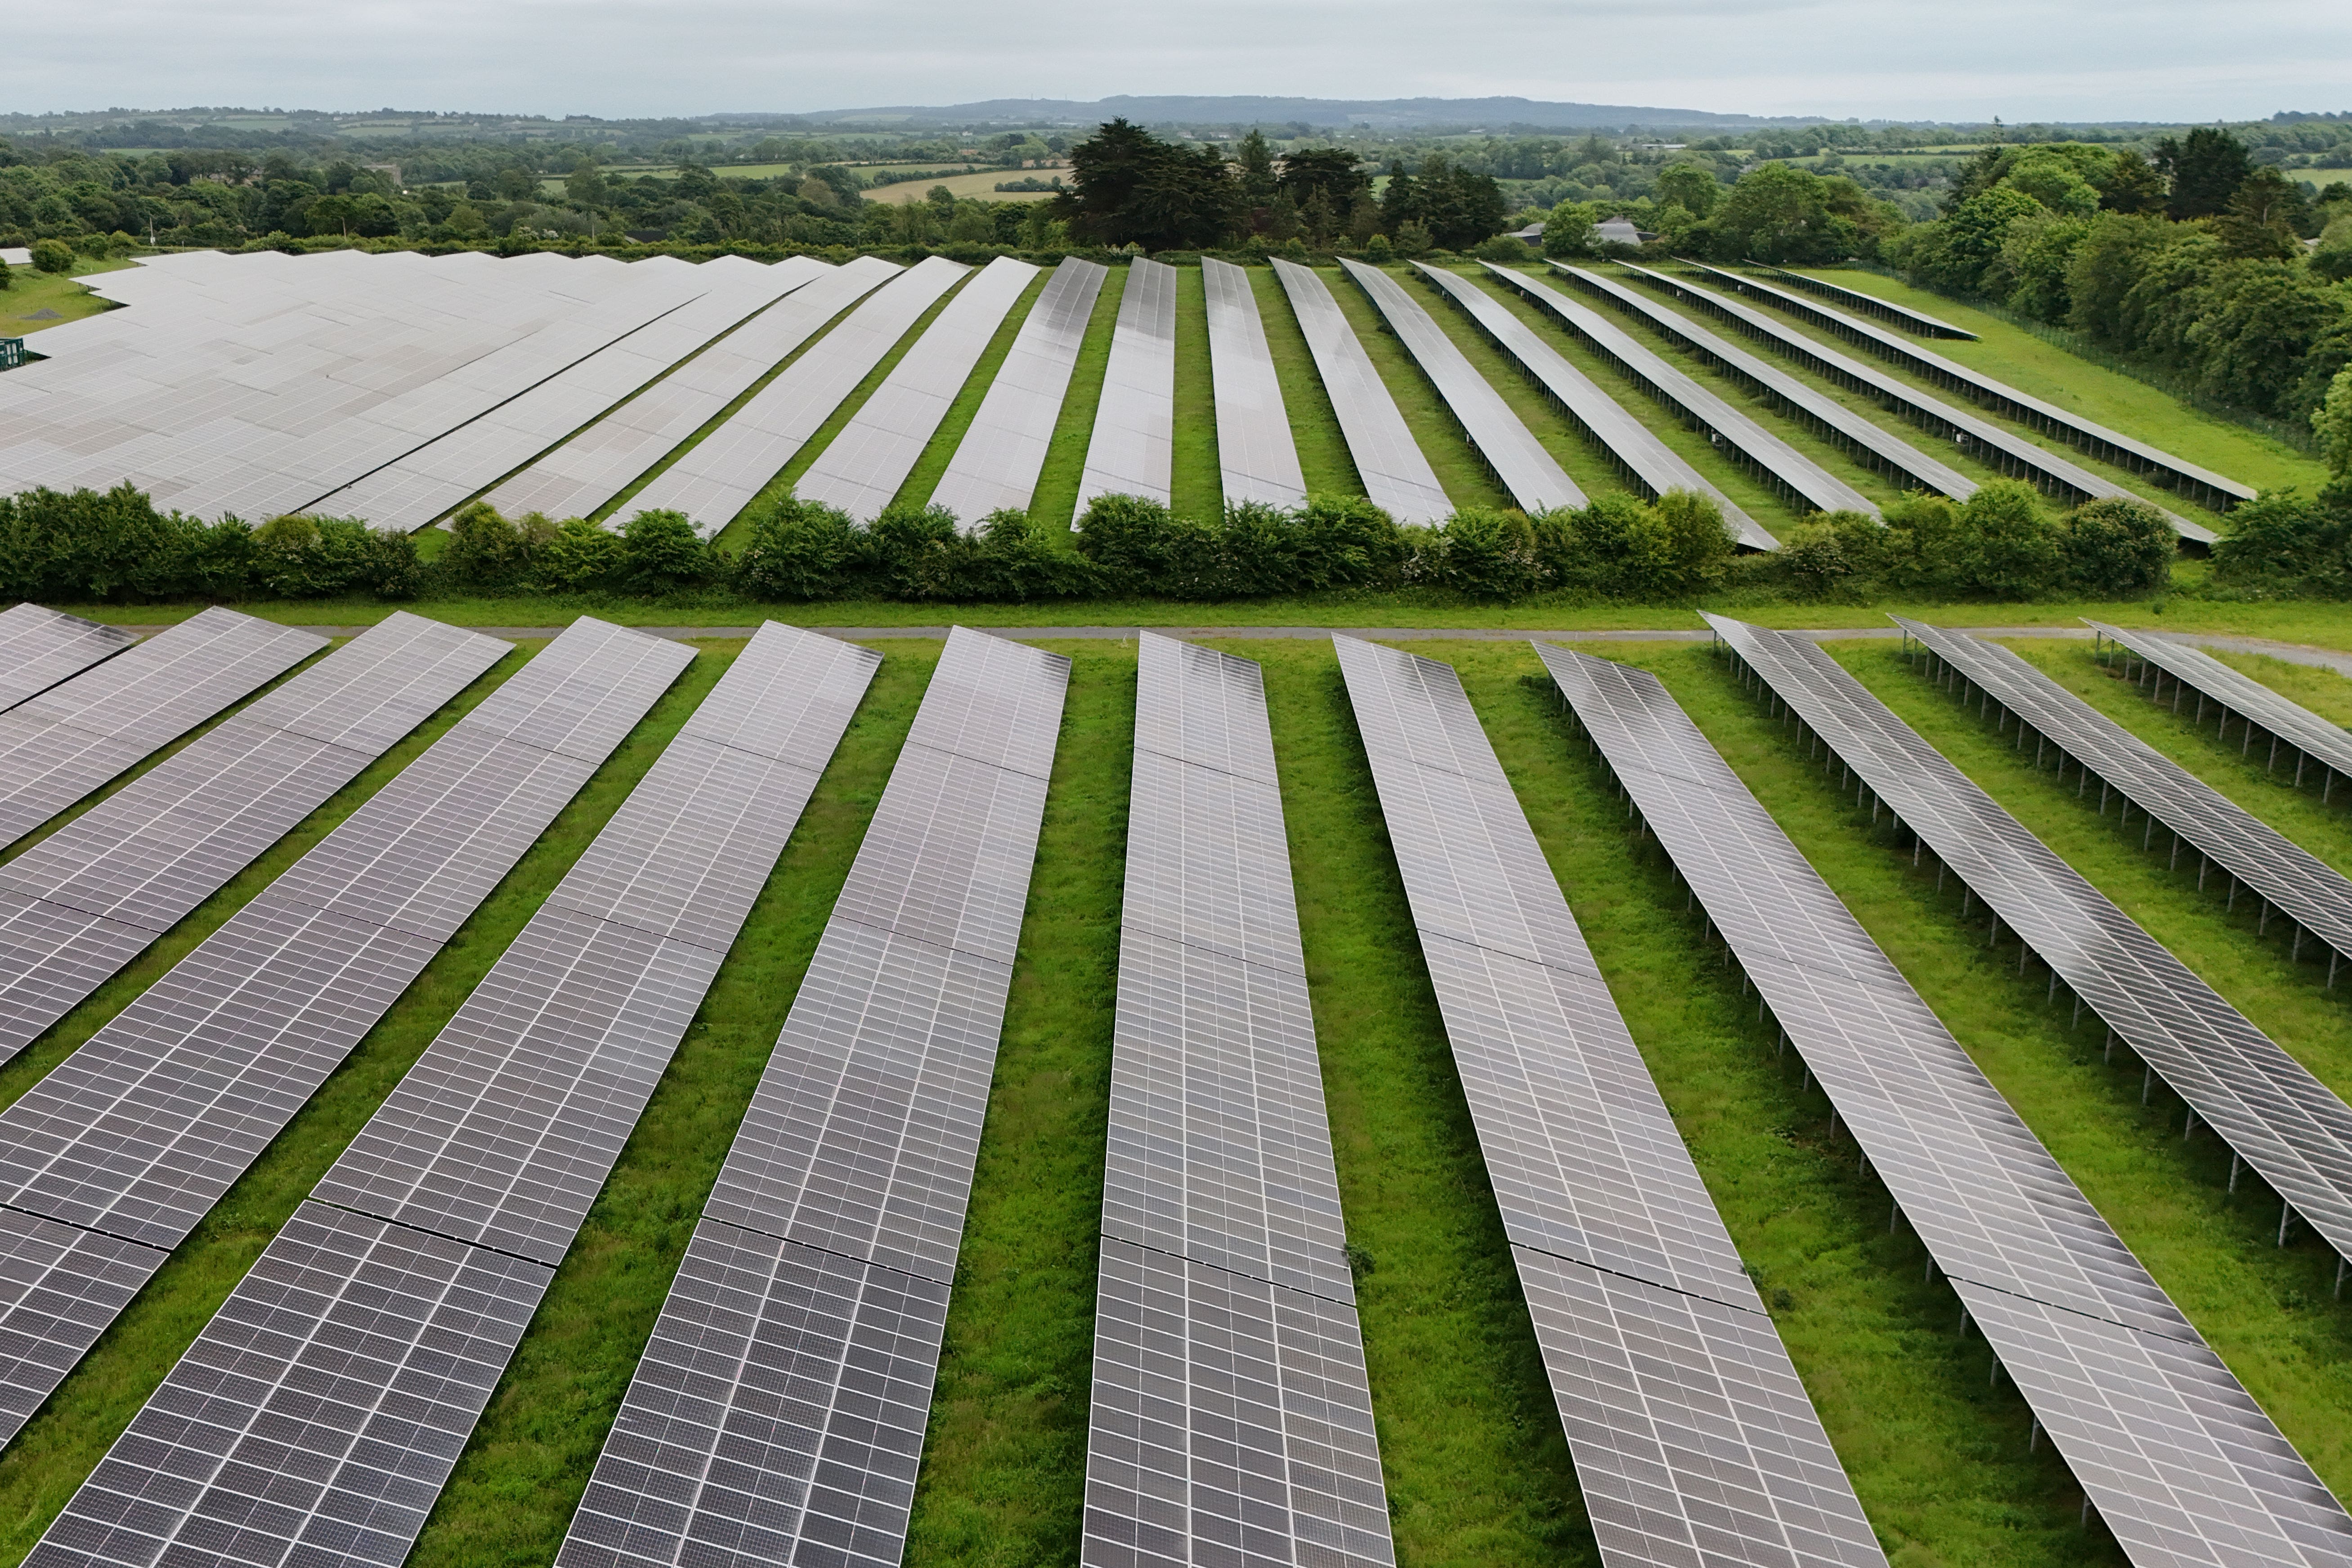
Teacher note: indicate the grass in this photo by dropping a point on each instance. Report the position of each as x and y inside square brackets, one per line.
[1056, 500]
[924, 476]
[1323, 458]
[1196, 485]
[980, 186]
[30, 292]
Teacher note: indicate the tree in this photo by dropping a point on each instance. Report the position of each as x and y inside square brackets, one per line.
[2332, 257]
[1690, 186]
[585, 186]
[2331, 422]
[2203, 171]
[1254, 159]
[1330, 172]
[2264, 216]
[2131, 185]
[1457, 206]
[52, 255]
[1130, 188]
[1778, 214]
[2118, 547]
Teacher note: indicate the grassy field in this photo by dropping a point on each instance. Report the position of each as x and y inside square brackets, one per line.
[980, 186]
[1196, 485]
[30, 293]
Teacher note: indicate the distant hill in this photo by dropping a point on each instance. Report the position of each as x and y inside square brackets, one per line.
[1402, 113]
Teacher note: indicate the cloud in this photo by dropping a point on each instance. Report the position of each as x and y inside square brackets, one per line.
[2170, 59]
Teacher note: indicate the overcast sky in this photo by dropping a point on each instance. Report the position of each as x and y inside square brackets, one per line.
[1945, 59]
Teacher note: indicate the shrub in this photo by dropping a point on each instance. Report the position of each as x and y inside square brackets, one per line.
[1485, 555]
[486, 552]
[1016, 559]
[2282, 543]
[1503, 247]
[53, 256]
[917, 553]
[661, 553]
[1377, 250]
[2007, 548]
[798, 549]
[90, 544]
[302, 557]
[2118, 548]
[581, 557]
[1831, 552]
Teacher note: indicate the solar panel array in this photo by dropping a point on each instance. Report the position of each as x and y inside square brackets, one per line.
[1508, 448]
[2305, 733]
[600, 462]
[1230, 1395]
[1864, 439]
[717, 479]
[135, 1136]
[996, 464]
[2182, 1465]
[2286, 877]
[1868, 304]
[39, 647]
[1396, 475]
[81, 903]
[1788, 471]
[1131, 450]
[438, 476]
[862, 466]
[1653, 465]
[777, 1415]
[317, 1416]
[1257, 459]
[1693, 1437]
[2002, 449]
[60, 745]
[258, 383]
[2200, 485]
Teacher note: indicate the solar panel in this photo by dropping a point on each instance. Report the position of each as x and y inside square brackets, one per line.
[320, 1412]
[1507, 448]
[863, 466]
[2307, 736]
[777, 1414]
[39, 647]
[1228, 1359]
[2179, 1462]
[60, 745]
[1863, 438]
[2290, 1127]
[719, 478]
[1255, 457]
[1130, 451]
[997, 462]
[1396, 475]
[2010, 452]
[138, 1133]
[1795, 477]
[1869, 304]
[1692, 1437]
[604, 459]
[82, 902]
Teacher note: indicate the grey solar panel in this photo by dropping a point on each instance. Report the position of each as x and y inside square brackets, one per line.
[1794, 477]
[1130, 451]
[492, 1146]
[2114, 1373]
[777, 1415]
[1255, 457]
[2307, 736]
[1507, 448]
[1396, 475]
[1692, 1437]
[997, 462]
[56, 747]
[138, 1133]
[2003, 449]
[1863, 438]
[2199, 485]
[82, 902]
[1226, 1338]
[2291, 1128]
[1868, 304]
[39, 647]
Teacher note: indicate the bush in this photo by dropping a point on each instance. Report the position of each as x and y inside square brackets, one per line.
[1377, 250]
[1503, 247]
[2282, 543]
[1016, 559]
[485, 552]
[1830, 554]
[302, 557]
[2008, 548]
[798, 549]
[1485, 554]
[52, 255]
[661, 553]
[580, 558]
[917, 553]
[2117, 549]
[1622, 547]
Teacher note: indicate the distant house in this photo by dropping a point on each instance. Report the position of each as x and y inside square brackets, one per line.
[1619, 231]
[1531, 234]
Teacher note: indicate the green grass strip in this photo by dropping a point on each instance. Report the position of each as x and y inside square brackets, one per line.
[924, 477]
[1056, 500]
[1196, 484]
[1323, 457]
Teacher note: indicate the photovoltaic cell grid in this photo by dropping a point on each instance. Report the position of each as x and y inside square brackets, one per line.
[1509, 450]
[2182, 1465]
[1796, 477]
[318, 1416]
[1255, 457]
[1864, 439]
[777, 1414]
[1692, 1437]
[1130, 451]
[2206, 489]
[1654, 467]
[438, 476]
[140, 1131]
[60, 745]
[2266, 1106]
[1869, 304]
[2307, 735]
[1230, 1397]
[39, 647]
[734, 462]
[1396, 475]
[863, 466]
[600, 462]
[997, 462]
[2284, 876]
